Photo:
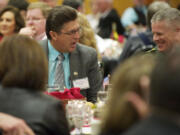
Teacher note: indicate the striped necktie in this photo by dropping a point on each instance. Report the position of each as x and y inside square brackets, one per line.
[59, 73]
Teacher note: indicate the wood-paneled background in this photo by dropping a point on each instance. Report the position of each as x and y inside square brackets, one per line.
[120, 5]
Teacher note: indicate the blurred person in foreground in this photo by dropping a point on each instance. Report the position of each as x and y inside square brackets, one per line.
[75, 64]
[165, 26]
[143, 41]
[37, 13]
[10, 125]
[164, 98]
[23, 77]
[11, 21]
[129, 95]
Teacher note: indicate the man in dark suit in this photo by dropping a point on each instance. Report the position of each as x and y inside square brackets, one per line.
[109, 19]
[80, 64]
[164, 98]
[143, 41]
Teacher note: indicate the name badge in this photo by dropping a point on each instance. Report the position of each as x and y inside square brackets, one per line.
[81, 83]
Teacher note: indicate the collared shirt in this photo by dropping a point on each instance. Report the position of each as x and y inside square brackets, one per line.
[129, 16]
[53, 54]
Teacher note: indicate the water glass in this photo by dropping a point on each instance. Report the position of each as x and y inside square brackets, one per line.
[51, 88]
[102, 96]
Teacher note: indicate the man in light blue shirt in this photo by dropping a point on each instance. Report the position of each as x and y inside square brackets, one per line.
[136, 15]
[80, 64]
[53, 54]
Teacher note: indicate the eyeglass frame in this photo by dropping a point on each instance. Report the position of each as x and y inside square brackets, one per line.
[72, 32]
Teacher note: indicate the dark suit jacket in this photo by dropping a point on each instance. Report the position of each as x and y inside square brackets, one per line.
[135, 44]
[105, 24]
[44, 114]
[155, 125]
[84, 62]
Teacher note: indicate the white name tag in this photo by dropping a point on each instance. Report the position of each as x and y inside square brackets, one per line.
[81, 83]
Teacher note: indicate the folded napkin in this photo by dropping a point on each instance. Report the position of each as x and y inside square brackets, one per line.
[73, 93]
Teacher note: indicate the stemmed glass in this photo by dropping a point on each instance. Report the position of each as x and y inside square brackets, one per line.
[78, 114]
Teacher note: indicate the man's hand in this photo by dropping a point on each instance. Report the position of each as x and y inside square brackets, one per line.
[28, 31]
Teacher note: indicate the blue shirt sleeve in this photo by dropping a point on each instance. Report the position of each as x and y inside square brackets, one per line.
[129, 17]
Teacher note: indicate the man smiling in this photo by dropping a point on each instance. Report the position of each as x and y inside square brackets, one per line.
[79, 63]
[166, 28]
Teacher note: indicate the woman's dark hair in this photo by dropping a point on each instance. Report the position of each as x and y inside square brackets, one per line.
[23, 63]
[20, 23]
[20, 4]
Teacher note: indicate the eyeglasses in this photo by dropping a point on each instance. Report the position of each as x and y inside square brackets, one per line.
[72, 32]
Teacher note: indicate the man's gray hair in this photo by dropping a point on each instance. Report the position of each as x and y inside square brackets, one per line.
[170, 15]
[155, 7]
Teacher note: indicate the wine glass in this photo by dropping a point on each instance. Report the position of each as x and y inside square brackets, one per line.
[78, 115]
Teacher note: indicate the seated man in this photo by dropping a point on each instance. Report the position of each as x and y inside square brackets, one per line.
[165, 26]
[36, 20]
[70, 64]
[144, 40]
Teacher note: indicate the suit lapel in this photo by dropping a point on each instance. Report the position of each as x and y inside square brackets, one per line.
[44, 44]
[75, 65]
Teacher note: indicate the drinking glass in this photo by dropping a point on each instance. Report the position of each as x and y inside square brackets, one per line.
[79, 115]
[51, 88]
[102, 96]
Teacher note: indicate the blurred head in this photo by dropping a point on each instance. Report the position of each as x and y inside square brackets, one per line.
[11, 21]
[165, 86]
[23, 63]
[36, 17]
[21, 5]
[165, 26]
[87, 36]
[153, 8]
[3, 3]
[62, 28]
[76, 4]
[129, 77]
[139, 2]
[94, 6]
[104, 5]
[51, 3]
[167, 1]
[87, 33]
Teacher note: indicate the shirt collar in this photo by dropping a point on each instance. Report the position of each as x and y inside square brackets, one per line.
[53, 53]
